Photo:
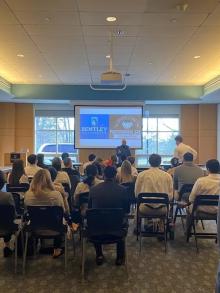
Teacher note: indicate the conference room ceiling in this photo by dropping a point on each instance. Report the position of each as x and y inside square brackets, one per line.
[66, 41]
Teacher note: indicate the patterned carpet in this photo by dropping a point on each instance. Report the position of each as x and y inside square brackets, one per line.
[181, 270]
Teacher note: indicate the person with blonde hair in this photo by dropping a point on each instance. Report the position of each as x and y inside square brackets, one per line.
[125, 173]
[42, 193]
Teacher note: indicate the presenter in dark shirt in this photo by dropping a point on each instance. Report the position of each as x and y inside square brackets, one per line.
[123, 151]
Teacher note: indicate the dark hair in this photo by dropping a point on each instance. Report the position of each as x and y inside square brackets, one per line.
[91, 157]
[110, 172]
[174, 162]
[56, 163]
[2, 180]
[67, 161]
[213, 166]
[32, 159]
[53, 173]
[188, 157]
[123, 158]
[179, 138]
[131, 159]
[40, 161]
[155, 160]
[17, 172]
[99, 168]
[91, 172]
[65, 155]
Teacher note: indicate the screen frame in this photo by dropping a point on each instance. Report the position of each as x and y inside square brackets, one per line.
[109, 106]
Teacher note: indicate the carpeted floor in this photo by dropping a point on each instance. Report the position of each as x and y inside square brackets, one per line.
[180, 270]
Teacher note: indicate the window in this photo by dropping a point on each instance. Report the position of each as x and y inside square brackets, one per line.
[55, 135]
[158, 137]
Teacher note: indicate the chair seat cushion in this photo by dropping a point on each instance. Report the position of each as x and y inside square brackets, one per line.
[146, 210]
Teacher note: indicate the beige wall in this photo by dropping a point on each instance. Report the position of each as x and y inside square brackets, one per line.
[16, 128]
[198, 126]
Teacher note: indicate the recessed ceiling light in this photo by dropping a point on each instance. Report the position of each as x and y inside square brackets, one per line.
[150, 63]
[197, 57]
[111, 18]
[108, 56]
[20, 55]
[47, 19]
[173, 20]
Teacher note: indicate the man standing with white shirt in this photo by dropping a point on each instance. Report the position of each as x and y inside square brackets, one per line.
[182, 148]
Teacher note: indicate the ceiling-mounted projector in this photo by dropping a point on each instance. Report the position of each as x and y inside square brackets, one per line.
[111, 77]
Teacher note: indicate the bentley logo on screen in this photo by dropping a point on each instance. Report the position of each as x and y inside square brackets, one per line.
[94, 127]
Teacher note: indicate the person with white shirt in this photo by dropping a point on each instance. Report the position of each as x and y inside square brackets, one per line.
[32, 167]
[153, 180]
[62, 177]
[182, 148]
[91, 160]
[208, 185]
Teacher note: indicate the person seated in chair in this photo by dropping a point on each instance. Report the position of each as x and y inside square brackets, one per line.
[109, 194]
[124, 173]
[32, 167]
[42, 193]
[91, 160]
[154, 180]
[6, 198]
[187, 173]
[62, 177]
[68, 168]
[17, 175]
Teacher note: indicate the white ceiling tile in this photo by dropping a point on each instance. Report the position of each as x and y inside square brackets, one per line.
[173, 19]
[48, 17]
[40, 5]
[54, 30]
[6, 16]
[104, 31]
[113, 5]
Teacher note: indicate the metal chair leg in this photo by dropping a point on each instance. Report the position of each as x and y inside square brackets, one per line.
[126, 257]
[194, 231]
[65, 264]
[176, 213]
[83, 258]
[16, 252]
[25, 252]
[140, 231]
[203, 227]
[165, 234]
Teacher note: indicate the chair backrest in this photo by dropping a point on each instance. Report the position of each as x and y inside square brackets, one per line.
[105, 222]
[45, 217]
[185, 191]
[153, 198]
[23, 187]
[83, 198]
[7, 217]
[205, 200]
[130, 191]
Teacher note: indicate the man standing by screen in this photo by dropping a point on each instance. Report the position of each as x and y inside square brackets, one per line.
[123, 150]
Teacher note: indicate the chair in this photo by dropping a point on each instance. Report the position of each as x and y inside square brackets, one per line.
[44, 222]
[104, 226]
[8, 226]
[181, 202]
[157, 213]
[68, 191]
[197, 215]
[16, 190]
[130, 191]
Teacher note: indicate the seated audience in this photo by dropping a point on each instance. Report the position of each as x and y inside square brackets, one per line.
[62, 177]
[59, 187]
[6, 199]
[17, 175]
[90, 181]
[124, 173]
[63, 157]
[100, 167]
[73, 174]
[91, 159]
[109, 194]
[32, 167]
[174, 163]
[154, 180]
[134, 171]
[208, 185]
[42, 193]
[40, 161]
[187, 173]
[113, 161]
